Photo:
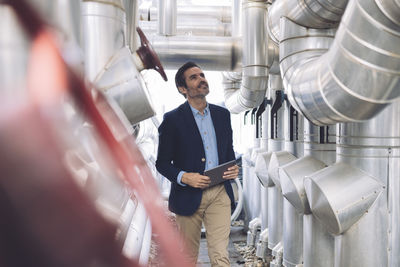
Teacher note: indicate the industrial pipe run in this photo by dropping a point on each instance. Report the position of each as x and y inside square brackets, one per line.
[315, 86]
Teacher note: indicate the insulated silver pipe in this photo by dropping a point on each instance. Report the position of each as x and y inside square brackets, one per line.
[210, 27]
[195, 12]
[374, 147]
[255, 62]
[131, 7]
[216, 53]
[320, 142]
[318, 14]
[167, 11]
[356, 78]
[236, 18]
[109, 18]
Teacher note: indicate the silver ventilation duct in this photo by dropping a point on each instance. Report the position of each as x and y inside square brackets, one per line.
[255, 59]
[195, 12]
[356, 78]
[216, 53]
[318, 14]
[167, 10]
[131, 7]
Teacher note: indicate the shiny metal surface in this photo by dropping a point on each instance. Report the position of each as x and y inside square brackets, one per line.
[13, 55]
[320, 143]
[292, 177]
[132, 18]
[318, 243]
[264, 207]
[373, 146]
[261, 167]
[121, 81]
[254, 59]
[278, 159]
[109, 19]
[308, 13]
[262, 246]
[167, 12]
[292, 236]
[275, 216]
[296, 146]
[211, 27]
[216, 53]
[339, 214]
[357, 77]
[237, 18]
[195, 12]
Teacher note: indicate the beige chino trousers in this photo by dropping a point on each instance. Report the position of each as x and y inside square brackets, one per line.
[215, 212]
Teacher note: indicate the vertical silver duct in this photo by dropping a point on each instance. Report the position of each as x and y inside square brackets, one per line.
[109, 16]
[167, 11]
[320, 142]
[131, 8]
[237, 18]
[356, 78]
[255, 62]
[374, 148]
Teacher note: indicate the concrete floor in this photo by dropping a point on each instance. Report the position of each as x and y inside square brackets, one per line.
[237, 235]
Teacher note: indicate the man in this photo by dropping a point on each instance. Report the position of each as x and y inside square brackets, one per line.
[195, 137]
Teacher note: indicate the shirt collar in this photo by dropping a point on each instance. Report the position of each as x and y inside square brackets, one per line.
[196, 112]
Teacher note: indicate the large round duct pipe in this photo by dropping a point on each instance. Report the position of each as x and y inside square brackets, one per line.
[167, 10]
[189, 27]
[131, 8]
[356, 78]
[216, 53]
[109, 17]
[320, 14]
[195, 12]
[255, 59]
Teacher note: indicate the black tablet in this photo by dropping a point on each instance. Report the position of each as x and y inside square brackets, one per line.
[216, 173]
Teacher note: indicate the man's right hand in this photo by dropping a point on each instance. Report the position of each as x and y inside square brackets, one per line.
[195, 180]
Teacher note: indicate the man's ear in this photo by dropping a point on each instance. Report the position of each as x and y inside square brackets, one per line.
[182, 89]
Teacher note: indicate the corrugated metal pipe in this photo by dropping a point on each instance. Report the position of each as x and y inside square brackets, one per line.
[255, 59]
[320, 14]
[355, 79]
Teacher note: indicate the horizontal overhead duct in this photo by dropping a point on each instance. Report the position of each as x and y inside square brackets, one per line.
[196, 12]
[355, 79]
[216, 53]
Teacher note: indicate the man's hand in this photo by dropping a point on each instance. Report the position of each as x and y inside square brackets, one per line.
[195, 180]
[231, 173]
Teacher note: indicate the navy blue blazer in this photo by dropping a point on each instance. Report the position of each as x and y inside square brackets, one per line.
[181, 148]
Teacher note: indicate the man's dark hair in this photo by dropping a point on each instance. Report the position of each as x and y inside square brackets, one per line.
[179, 78]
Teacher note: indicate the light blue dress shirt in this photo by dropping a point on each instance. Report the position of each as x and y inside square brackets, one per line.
[207, 133]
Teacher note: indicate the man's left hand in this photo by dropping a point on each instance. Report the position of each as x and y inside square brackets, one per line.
[231, 173]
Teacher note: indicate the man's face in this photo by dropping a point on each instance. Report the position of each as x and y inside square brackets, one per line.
[196, 83]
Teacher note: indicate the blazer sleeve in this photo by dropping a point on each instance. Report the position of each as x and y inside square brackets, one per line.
[166, 150]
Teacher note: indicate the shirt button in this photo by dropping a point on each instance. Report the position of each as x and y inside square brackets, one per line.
[203, 159]
[209, 162]
[205, 132]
